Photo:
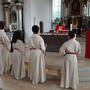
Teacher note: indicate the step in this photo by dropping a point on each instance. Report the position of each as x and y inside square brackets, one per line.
[51, 74]
[84, 74]
[84, 69]
[84, 79]
[53, 67]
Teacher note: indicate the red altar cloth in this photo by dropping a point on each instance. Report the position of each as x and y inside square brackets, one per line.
[87, 52]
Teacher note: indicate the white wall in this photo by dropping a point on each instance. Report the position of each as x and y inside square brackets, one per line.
[1, 11]
[27, 19]
[43, 13]
[36, 11]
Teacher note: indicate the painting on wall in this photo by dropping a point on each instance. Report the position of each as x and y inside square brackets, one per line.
[13, 14]
[75, 7]
[13, 17]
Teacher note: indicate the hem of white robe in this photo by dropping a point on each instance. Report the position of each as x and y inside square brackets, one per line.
[68, 87]
[62, 86]
[23, 76]
[38, 81]
[19, 77]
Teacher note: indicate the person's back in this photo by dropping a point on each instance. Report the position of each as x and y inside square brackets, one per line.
[69, 50]
[4, 49]
[72, 45]
[35, 41]
[18, 66]
[37, 61]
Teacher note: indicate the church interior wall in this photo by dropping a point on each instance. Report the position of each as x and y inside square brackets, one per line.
[41, 11]
[36, 11]
[1, 11]
[27, 19]
[79, 16]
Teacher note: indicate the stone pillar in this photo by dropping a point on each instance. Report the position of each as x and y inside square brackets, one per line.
[27, 26]
[1, 10]
[7, 15]
[88, 8]
[27, 19]
[19, 16]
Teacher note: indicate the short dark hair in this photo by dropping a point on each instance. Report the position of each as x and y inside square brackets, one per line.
[71, 34]
[35, 29]
[60, 23]
[2, 24]
[18, 35]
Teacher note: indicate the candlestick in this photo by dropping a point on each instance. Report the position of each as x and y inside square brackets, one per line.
[70, 27]
[10, 27]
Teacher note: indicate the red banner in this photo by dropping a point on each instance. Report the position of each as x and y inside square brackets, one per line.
[87, 52]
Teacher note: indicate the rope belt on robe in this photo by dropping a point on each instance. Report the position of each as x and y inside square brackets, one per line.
[70, 53]
[17, 49]
[33, 48]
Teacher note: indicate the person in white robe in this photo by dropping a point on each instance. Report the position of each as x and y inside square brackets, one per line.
[4, 50]
[70, 49]
[18, 65]
[37, 57]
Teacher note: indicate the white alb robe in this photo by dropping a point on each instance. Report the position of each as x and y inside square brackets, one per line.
[37, 60]
[4, 52]
[69, 77]
[18, 66]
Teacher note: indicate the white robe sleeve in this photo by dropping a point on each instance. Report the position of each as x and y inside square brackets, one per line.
[42, 45]
[30, 44]
[62, 50]
[78, 48]
[6, 41]
[21, 46]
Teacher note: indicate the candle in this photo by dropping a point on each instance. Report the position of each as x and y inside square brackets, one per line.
[75, 36]
[10, 27]
[70, 27]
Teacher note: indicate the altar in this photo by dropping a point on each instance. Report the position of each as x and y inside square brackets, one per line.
[54, 41]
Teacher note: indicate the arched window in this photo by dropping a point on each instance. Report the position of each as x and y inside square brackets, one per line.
[56, 9]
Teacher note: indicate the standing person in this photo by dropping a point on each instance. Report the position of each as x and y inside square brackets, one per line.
[18, 66]
[4, 49]
[70, 49]
[37, 60]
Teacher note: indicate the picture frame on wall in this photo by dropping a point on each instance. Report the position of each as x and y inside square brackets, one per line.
[75, 7]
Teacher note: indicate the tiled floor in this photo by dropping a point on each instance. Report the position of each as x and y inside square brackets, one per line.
[9, 83]
[53, 62]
